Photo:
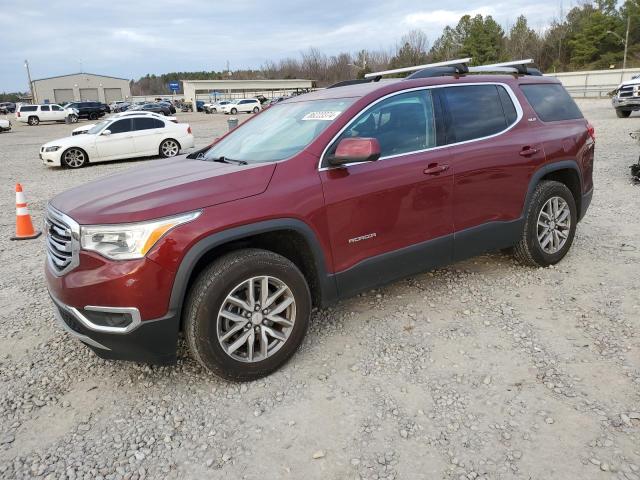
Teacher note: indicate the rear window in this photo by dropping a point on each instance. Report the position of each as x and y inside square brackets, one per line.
[29, 108]
[551, 102]
[478, 111]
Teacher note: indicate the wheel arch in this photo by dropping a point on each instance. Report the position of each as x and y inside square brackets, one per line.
[84, 150]
[291, 238]
[566, 172]
[169, 138]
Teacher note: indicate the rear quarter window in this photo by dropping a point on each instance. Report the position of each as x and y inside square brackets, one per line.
[29, 108]
[551, 102]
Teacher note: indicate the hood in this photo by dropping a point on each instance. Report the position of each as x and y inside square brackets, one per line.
[70, 141]
[633, 81]
[163, 188]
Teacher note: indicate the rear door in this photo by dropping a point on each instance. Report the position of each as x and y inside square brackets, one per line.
[391, 217]
[493, 155]
[119, 144]
[45, 113]
[147, 135]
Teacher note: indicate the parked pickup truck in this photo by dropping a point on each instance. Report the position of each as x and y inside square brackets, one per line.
[626, 97]
[318, 198]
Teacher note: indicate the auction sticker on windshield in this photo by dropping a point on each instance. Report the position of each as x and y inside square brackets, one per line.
[321, 116]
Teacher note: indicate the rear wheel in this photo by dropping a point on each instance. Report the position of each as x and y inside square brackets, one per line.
[247, 314]
[623, 113]
[550, 225]
[33, 120]
[74, 158]
[169, 148]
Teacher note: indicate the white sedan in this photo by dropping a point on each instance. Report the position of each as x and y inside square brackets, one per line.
[117, 138]
[85, 128]
[5, 125]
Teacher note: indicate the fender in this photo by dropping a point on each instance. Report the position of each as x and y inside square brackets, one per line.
[545, 170]
[326, 281]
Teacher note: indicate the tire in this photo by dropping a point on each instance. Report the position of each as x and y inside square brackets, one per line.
[93, 116]
[74, 158]
[213, 110]
[256, 109]
[73, 118]
[163, 113]
[169, 148]
[33, 121]
[234, 111]
[623, 113]
[205, 328]
[539, 246]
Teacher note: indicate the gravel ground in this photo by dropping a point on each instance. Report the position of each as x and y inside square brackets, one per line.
[483, 370]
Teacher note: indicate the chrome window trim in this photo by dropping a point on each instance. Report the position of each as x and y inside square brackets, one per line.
[512, 95]
[74, 229]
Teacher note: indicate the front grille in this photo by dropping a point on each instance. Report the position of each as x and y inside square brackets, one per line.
[626, 91]
[62, 241]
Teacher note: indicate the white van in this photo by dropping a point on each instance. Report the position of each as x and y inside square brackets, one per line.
[51, 112]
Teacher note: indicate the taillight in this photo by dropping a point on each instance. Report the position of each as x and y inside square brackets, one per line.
[189, 129]
[592, 131]
[17, 114]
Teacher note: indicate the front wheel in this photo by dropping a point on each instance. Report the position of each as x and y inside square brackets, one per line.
[73, 118]
[74, 158]
[234, 111]
[169, 148]
[256, 109]
[550, 225]
[247, 314]
[93, 116]
[623, 113]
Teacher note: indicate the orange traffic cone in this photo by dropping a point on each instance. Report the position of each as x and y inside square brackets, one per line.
[24, 226]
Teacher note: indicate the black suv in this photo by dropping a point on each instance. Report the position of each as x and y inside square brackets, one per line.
[7, 107]
[90, 110]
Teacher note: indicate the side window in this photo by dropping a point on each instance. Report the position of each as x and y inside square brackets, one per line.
[551, 102]
[147, 123]
[121, 126]
[55, 108]
[402, 123]
[476, 111]
[45, 108]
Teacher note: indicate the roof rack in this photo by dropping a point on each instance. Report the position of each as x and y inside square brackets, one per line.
[344, 83]
[515, 66]
[460, 63]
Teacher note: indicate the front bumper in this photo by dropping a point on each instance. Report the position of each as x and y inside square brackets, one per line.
[630, 103]
[152, 341]
[51, 159]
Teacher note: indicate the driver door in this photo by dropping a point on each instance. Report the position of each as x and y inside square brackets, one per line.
[391, 217]
[119, 144]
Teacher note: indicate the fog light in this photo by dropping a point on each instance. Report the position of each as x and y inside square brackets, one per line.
[108, 319]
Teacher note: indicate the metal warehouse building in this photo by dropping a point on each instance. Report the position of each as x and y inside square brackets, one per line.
[77, 87]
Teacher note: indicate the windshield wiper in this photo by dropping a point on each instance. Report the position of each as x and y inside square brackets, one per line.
[230, 160]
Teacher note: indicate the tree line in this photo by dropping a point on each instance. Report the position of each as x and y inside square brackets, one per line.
[589, 36]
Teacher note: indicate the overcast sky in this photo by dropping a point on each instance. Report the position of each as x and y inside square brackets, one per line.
[135, 37]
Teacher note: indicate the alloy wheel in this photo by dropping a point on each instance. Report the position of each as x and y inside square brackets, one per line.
[554, 225]
[256, 319]
[169, 148]
[74, 158]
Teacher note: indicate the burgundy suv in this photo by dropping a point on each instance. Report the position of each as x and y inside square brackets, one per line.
[317, 198]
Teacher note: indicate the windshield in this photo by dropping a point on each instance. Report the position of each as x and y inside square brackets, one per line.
[97, 127]
[280, 132]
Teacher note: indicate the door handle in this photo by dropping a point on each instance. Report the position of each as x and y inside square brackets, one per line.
[435, 169]
[528, 151]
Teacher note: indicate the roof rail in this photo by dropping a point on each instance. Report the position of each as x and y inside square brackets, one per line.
[462, 63]
[345, 83]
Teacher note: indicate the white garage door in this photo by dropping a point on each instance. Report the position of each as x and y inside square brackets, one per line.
[112, 95]
[62, 95]
[89, 94]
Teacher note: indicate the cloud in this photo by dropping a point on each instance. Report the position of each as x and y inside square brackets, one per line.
[443, 17]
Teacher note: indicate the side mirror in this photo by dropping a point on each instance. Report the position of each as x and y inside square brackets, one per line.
[106, 132]
[355, 150]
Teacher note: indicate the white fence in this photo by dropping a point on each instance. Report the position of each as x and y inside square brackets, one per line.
[594, 83]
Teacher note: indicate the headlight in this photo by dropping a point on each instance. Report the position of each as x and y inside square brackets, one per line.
[129, 241]
[51, 149]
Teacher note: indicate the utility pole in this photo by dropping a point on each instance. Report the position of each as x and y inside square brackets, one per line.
[33, 94]
[626, 42]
